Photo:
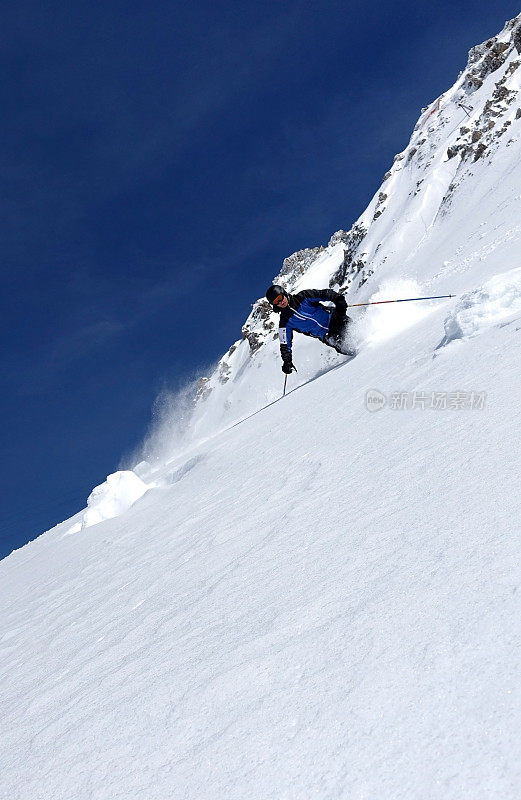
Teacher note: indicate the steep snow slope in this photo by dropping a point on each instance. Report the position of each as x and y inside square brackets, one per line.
[320, 601]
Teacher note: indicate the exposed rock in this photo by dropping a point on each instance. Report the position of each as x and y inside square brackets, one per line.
[364, 276]
[504, 128]
[258, 324]
[203, 389]
[483, 60]
[501, 92]
[516, 36]
[417, 190]
[299, 262]
[339, 236]
[453, 150]
[350, 265]
[382, 197]
[473, 83]
[224, 372]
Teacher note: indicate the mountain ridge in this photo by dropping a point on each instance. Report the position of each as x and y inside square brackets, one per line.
[491, 81]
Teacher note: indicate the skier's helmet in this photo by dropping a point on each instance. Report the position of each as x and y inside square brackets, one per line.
[274, 292]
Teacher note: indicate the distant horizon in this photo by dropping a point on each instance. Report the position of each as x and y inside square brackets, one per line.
[157, 172]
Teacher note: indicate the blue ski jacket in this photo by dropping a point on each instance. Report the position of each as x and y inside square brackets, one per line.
[306, 314]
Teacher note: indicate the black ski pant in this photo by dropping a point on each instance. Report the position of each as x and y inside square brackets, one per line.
[337, 336]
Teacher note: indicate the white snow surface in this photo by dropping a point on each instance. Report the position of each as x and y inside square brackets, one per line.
[308, 600]
[498, 301]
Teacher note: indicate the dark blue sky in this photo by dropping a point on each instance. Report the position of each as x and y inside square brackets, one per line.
[159, 160]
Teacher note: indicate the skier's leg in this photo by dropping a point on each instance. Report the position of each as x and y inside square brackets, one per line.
[342, 349]
[339, 340]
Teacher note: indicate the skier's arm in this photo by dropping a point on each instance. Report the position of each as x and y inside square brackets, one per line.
[285, 338]
[327, 294]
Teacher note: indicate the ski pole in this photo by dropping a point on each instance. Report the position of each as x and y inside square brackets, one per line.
[285, 381]
[403, 300]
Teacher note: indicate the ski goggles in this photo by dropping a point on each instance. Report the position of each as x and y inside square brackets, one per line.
[277, 299]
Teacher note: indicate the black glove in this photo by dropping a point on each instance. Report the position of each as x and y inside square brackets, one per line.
[341, 306]
[288, 367]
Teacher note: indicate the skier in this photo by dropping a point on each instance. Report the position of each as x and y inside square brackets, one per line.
[304, 312]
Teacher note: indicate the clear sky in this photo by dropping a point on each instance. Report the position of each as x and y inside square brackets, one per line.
[159, 161]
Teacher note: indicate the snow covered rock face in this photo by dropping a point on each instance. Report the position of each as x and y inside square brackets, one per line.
[485, 131]
[299, 262]
[451, 155]
[259, 325]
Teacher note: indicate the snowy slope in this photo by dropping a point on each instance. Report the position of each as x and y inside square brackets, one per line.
[321, 601]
